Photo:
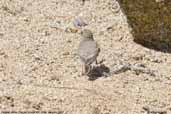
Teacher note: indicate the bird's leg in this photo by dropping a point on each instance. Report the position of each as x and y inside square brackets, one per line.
[96, 62]
[87, 69]
[83, 69]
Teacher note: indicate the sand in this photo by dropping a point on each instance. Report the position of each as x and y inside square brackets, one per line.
[40, 69]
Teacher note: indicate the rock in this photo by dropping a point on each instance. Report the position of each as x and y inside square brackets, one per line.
[150, 21]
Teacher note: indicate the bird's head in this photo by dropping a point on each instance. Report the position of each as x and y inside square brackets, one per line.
[87, 34]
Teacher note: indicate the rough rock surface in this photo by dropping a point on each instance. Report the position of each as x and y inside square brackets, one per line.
[151, 22]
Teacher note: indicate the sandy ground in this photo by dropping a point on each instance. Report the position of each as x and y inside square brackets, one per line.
[40, 69]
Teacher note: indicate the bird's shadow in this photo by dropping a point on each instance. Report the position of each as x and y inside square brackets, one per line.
[98, 71]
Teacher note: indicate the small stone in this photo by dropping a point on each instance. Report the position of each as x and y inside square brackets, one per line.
[71, 30]
[37, 106]
[54, 78]
[69, 41]
[66, 53]
[1, 34]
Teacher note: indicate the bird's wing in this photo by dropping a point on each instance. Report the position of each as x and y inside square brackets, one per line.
[88, 51]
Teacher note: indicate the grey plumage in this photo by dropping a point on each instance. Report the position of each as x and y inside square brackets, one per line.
[88, 50]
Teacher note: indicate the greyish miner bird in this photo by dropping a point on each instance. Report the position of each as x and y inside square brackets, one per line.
[88, 51]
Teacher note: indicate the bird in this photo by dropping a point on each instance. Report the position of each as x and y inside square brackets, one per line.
[88, 51]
